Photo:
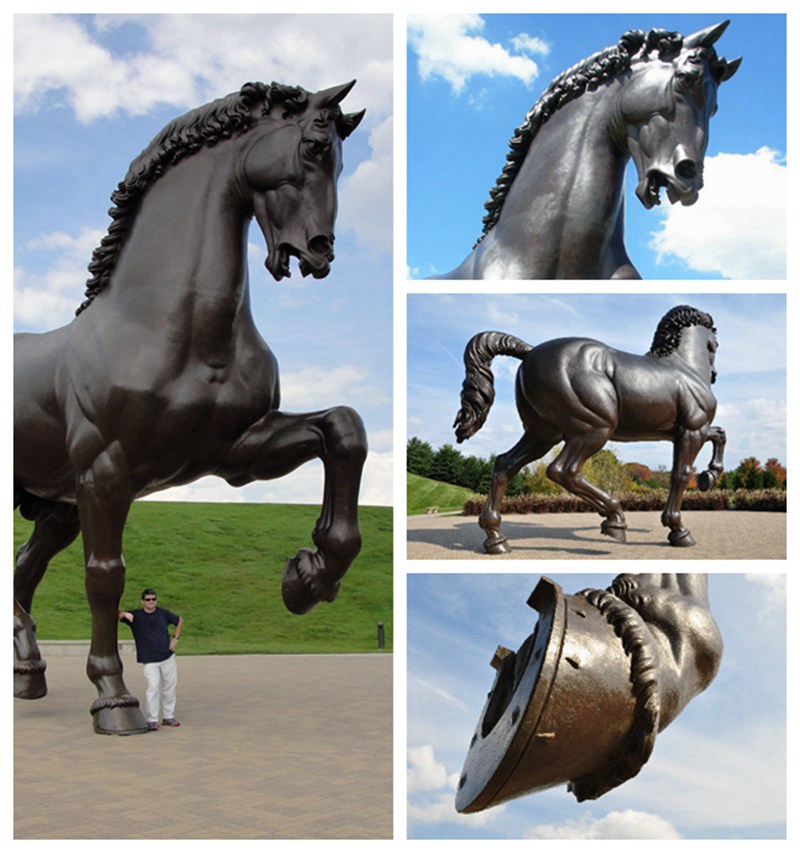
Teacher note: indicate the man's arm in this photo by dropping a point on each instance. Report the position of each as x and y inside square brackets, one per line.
[125, 614]
[177, 635]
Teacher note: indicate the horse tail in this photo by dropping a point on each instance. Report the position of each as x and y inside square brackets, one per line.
[477, 392]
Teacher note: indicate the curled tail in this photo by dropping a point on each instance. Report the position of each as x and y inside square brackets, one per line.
[477, 392]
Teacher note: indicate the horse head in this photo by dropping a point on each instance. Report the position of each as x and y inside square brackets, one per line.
[290, 170]
[666, 108]
[690, 333]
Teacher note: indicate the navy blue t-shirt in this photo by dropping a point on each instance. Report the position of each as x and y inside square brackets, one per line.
[151, 634]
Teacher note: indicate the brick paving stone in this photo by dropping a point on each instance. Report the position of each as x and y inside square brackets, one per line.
[566, 536]
[270, 746]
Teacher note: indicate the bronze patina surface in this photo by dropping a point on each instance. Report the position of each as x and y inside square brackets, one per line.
[583, 393]
[162, 376]
[557, 209]
[581, 701]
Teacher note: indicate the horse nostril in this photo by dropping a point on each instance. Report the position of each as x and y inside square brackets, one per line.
[321, 245]
[687, 170]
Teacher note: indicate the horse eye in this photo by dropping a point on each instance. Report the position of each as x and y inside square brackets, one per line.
[316, 147]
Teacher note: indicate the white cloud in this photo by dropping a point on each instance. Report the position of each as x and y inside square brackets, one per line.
[758, 424]
[442, 809]
[56, 53]
[617, 825]
[328, 386]
[449, 47]
[365, 197]
[501, 317]
[303, 486]
[190, 59]
[738, 226]
[424, 773]
[771, 592]
[530, 44]
[50, 299]
[717, 763]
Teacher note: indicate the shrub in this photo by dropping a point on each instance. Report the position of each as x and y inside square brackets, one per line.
[765, 500]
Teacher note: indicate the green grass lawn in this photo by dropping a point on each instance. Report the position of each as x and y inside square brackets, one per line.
[220, 566]
[422, 494]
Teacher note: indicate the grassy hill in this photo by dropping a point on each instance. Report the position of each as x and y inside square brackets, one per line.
[422, 493]
[220, 566]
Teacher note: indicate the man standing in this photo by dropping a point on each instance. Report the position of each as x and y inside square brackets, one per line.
[155, 649]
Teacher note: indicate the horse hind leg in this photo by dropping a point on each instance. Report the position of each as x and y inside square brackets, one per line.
[275, 446]
[567, 470]
[686, 447]
[506, 467]
[52, 532]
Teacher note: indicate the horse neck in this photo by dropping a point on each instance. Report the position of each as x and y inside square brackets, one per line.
[565, 206]
[693, 349]
[184, 255]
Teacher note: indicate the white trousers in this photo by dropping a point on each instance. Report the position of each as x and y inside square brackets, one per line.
[162, 682]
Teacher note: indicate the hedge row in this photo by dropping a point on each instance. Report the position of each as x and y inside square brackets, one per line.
[761, 500]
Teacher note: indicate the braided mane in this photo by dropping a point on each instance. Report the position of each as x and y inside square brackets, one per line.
[667, 336]
[202, 127]
[587, 74]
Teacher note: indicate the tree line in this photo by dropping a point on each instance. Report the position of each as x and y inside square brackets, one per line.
[604, 469]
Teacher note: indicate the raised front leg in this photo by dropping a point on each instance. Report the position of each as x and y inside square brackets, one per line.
[675, 608]
[275, 446]
[506, 467]
[103, 502]
[51, 534]
[708, 479]
[687, 446]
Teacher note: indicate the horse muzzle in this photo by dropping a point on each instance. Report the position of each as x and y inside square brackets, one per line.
[314, 260]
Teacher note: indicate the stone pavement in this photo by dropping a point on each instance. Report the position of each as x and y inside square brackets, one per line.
[564, 536]
[270, 746]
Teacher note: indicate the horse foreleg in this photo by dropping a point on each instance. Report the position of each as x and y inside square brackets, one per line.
[675, 608]
[686, 447]
[103, 504]
[51, 534]
[567, 470]
[275, 446]
[506, 467]
[707, 479]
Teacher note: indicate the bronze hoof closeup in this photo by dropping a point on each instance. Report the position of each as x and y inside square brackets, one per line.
[582, 699]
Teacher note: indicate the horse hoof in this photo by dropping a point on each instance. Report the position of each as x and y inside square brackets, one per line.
[681, 538]
[497, 546]
[118, 717]
[706, 481]
[30, 685]
[300, 586]
[616, 533]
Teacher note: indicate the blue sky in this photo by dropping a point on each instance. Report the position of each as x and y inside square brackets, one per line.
[472, 78]
[92, 90]
[751, 362]
[718, 771]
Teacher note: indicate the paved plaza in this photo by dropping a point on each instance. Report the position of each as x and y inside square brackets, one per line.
[730, 535]
[270, 746]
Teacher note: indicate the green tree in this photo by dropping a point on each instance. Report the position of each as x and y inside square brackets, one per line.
[419, 457]
[447, 465]
[605, 470]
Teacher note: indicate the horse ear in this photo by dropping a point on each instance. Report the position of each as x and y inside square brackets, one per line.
[348, 123]
[331, 97]
[706, 37]
[728, 69]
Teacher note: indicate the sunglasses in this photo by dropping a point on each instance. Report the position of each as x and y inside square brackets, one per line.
[149, 598]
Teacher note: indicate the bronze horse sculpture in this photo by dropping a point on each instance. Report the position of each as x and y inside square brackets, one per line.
[557, 209]
[162, 376]
[584, 393]
[583, 698]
